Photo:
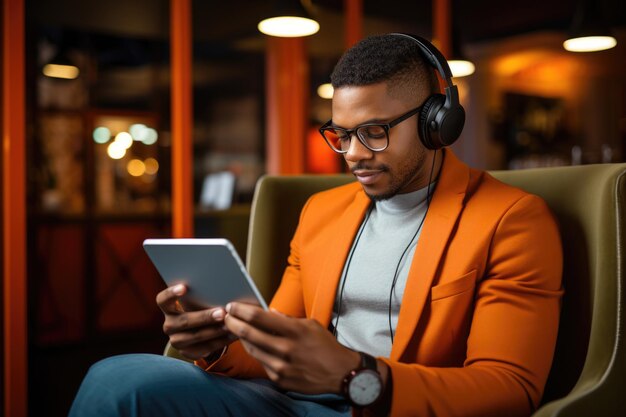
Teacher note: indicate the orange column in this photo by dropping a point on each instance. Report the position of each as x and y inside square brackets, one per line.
[354, 21]
[287, 93]
[182, 119]
[442, 26]
[14, 210]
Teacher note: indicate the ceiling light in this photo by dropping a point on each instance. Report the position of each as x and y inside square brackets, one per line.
[589, 31]
[325, 91]
[461, 67]
[61, 66]
[67, 72]
[589, 43]
[289, 19]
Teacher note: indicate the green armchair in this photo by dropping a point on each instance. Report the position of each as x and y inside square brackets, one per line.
[589, 371]
[588, 375]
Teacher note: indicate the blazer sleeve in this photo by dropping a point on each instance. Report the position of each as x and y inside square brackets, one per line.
[289, 297]
[513, 331]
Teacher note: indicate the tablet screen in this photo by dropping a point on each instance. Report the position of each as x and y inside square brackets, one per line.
[210, 268]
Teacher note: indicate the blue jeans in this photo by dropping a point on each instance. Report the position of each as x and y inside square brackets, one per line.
[152, 385]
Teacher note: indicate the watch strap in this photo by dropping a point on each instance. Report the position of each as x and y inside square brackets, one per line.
[368, 362]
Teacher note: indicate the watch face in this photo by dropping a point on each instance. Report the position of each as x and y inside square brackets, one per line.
[365, 387]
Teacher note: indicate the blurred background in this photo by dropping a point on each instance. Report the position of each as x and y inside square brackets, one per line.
[99, 139]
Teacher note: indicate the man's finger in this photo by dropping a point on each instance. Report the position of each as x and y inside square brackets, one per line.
[258, 338]
[167, 299]
[201, 337]
[272, 364]
[269, 321]
[194, 320]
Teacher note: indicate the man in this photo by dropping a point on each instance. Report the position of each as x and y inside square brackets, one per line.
[425, 288]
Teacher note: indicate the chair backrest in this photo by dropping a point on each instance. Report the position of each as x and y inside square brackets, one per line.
[589, 369]
[276, 208]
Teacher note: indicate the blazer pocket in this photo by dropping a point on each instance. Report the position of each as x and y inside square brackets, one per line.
[458, 286]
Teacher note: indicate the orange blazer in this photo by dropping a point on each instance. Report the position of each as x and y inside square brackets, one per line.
[480, 311]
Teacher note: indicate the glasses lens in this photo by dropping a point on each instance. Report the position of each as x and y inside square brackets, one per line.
[338, 139]
[375, 136]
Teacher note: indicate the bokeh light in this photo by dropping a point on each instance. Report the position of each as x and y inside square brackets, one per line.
[136, 167]
[101, 134]
[124, 139]
[115, 150]
[152, 166]
[325, 91]
[150, 136]
[136, 131]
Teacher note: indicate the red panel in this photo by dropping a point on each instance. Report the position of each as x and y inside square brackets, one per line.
[14, 210]
[442, 30]
[86, 285]
[127, 282]
[59, 284]
[287, 75]
[182, 119]
[354, 21]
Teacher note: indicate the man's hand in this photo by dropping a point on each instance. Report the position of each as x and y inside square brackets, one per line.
[194, 334]
[298, 354]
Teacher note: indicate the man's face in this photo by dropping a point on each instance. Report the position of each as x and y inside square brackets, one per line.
[401, 168]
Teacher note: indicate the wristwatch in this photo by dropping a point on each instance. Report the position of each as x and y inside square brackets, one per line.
[363, 386]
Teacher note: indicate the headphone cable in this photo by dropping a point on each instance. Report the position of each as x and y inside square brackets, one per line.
[396, 275]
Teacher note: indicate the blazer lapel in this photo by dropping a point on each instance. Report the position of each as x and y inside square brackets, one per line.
[444, 210]
[339, 248]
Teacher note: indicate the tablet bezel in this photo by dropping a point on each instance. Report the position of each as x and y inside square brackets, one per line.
[205, 285]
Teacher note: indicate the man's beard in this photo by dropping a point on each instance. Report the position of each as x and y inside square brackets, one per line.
[408, 174]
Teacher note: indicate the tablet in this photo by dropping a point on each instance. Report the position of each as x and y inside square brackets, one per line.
[210, 268]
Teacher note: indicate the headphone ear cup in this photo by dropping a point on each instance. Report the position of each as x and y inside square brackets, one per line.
[442, 116]
[440, 125]
[450, 120]
[428, 127]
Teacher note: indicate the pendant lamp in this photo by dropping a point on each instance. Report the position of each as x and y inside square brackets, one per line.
[60, 66]
[589, 31]
[288, 19]
[460, 66]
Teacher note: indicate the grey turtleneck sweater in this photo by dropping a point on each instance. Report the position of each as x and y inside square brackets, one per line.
[368, 274]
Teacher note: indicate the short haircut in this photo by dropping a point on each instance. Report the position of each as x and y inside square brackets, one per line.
[393, 59]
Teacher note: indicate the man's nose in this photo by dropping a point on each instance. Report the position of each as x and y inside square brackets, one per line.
[357, 151]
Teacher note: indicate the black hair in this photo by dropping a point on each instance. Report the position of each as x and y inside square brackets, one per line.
[393, 59]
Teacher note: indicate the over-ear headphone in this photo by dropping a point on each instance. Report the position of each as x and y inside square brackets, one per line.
[442, 117]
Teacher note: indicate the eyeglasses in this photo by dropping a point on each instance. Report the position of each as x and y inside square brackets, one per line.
[374, 136]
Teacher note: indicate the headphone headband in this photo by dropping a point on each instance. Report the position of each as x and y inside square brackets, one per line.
[432, 55]
[442, 117]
